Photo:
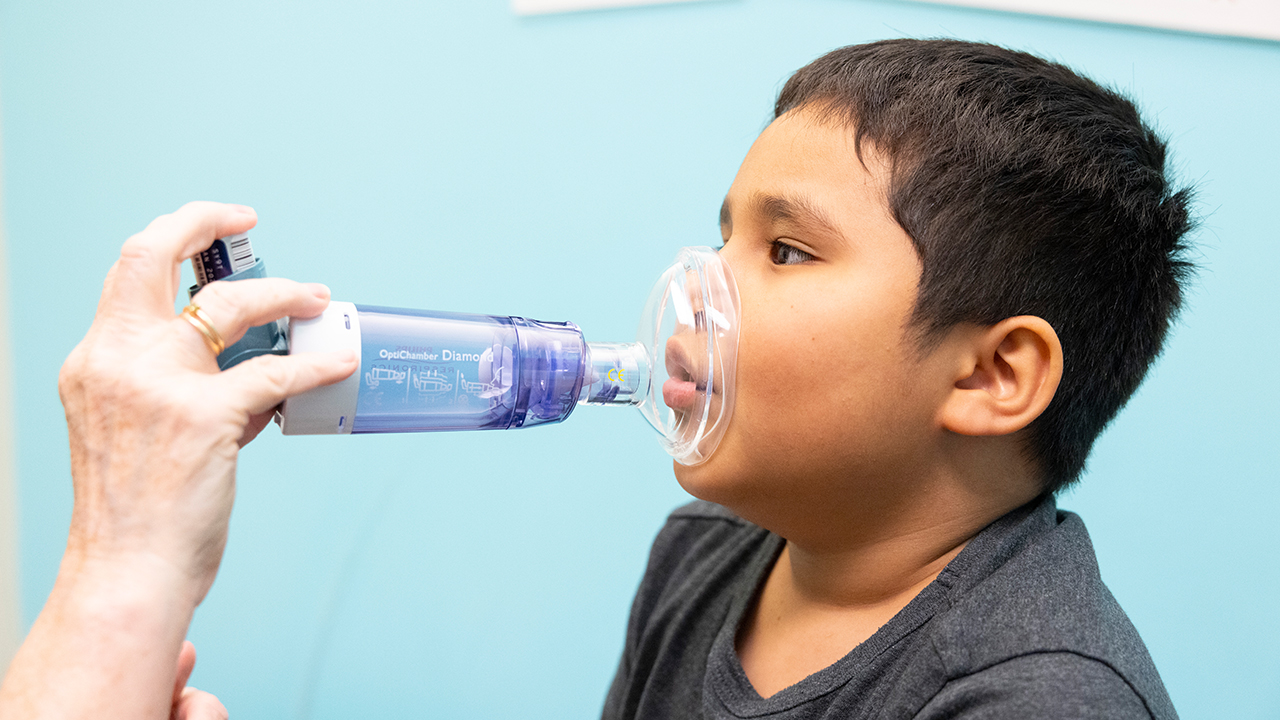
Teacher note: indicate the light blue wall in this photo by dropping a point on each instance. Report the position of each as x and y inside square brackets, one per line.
[453, 156]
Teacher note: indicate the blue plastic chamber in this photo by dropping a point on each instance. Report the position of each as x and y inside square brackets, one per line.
[423, 370]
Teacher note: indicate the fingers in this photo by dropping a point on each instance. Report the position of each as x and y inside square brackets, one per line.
[234, 307]
[186, 663]
[143, 278]
[259, 384]
[198, 705]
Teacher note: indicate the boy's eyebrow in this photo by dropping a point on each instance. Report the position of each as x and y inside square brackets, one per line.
[797, 210]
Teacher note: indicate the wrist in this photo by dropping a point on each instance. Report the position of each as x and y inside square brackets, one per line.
[172, 556]
[107, 639]
[128, 589]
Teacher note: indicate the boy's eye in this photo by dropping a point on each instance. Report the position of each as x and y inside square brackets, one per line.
[783, 254]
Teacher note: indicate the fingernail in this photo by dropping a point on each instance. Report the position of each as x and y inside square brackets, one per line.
[345, 356]
[243, 209]
[319, 290]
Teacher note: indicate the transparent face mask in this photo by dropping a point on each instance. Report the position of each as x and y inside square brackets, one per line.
[689, 326]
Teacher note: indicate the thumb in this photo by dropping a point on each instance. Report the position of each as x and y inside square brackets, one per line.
[263, 382]
[186, 663]
[198, 705]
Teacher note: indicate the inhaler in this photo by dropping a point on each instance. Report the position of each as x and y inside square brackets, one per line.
[424, 370]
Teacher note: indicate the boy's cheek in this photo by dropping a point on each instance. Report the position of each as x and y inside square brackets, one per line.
[761, 439]
[817, 393]
[814, 415]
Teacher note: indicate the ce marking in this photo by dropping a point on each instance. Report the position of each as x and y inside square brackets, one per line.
[616, 375]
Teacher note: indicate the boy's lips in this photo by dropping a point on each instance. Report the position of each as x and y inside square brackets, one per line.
[679, 394]
[680, 390]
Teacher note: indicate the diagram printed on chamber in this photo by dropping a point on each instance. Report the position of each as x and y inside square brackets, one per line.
[489, 378]
[377, 376]
[431, 383]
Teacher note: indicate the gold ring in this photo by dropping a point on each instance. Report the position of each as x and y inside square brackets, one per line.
[200, 321]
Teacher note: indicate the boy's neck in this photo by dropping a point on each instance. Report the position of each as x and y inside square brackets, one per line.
[831, 590]
[814, 608]
[881, 557]
[880, 568]
[894, 533]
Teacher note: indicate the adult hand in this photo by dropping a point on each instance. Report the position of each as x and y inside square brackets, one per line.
[154, 431]
[154, 427]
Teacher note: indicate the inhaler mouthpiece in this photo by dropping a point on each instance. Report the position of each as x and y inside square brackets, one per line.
[426, 371]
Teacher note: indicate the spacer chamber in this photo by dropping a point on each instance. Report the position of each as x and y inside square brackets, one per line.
[424, 370]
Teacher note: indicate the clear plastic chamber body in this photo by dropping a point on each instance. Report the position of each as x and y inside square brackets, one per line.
[423, 370]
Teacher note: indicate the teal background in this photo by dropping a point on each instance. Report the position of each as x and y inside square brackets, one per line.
[456, 157]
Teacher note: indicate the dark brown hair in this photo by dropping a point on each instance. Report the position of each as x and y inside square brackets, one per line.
[1027, 190]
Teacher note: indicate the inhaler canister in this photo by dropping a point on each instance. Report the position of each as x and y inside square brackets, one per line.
[429, 371]
[231, 258]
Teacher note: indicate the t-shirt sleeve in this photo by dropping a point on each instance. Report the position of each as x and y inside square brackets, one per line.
[1047, 686]
[682, 529]
[640, 606]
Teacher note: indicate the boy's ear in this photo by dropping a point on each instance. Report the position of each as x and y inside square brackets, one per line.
[1006, 376]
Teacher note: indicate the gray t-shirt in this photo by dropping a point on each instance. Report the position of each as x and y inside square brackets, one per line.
[1018, 625]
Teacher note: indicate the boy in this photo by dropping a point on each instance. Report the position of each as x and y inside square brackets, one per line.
[956, 263]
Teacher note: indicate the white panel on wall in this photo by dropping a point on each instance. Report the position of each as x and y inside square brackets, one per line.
[1246, 18]
[537, 7]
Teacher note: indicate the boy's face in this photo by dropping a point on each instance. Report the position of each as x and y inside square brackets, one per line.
[833, 402]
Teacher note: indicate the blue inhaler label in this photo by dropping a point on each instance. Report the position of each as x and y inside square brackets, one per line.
[424, 370]
[224, 258]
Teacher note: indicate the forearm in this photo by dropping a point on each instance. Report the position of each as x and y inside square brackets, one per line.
[105, 645]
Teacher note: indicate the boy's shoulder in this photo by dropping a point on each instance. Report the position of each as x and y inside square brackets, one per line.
[697, 539]
[1027, 608]
[697, 534]
[1020, 620]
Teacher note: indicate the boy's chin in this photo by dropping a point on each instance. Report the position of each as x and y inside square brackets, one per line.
[712, 480]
